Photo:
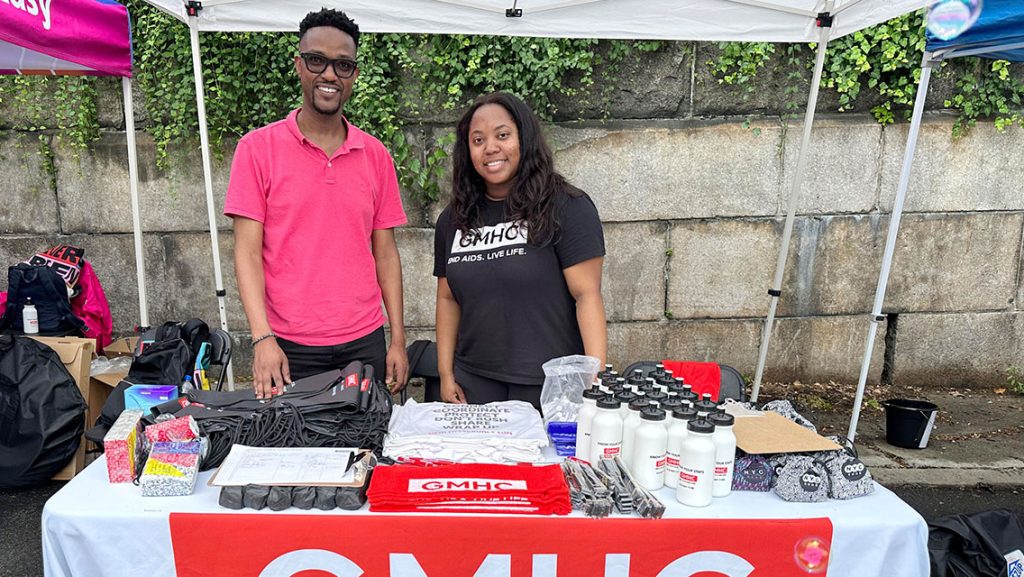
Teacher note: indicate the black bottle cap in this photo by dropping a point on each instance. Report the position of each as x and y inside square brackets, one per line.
[627, 397]
[652, 413]
[593, 393]
[656, 395]
[722, 419]
[700, 426]
[670, 404]
[684, 413]
[608, 402]
[639, 404]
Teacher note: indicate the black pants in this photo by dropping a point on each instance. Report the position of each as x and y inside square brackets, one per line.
[481, 390]
[305, 361]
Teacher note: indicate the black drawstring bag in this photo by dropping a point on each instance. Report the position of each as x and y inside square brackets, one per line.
[42, 413]
[976, 544]
[170, 356]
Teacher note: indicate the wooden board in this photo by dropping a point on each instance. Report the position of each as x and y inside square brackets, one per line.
[773, 433]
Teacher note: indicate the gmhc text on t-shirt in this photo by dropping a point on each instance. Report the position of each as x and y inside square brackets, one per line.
[516, 309]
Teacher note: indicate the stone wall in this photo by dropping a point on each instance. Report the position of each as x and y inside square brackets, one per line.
[693, 198]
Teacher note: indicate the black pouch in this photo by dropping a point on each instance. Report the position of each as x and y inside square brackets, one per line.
[325, 498]
[161, 363]
[232, 497]
[280, 498]
[256, 496]
[351, 498]
[303, 497]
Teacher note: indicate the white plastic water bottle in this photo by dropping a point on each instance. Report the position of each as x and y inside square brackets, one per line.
[606, 430]
[629, 427]
[677, 433]
[584, 420]
[648, 466]
[725, 453]
[697, 465]
[30, 318]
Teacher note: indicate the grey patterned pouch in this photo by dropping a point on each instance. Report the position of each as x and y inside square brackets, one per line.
[801, 479]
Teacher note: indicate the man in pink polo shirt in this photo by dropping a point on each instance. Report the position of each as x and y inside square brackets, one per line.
[315, 201]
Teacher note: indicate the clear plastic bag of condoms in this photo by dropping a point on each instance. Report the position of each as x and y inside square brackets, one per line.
[565, 378]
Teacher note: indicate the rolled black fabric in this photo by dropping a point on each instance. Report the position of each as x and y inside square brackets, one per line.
[324, 410]
[303, 497]
[256, 496]
[232, 497]
[351, 498]
[325, 498]
[280, 498]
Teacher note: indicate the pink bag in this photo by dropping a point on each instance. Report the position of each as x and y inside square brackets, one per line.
[90, 305]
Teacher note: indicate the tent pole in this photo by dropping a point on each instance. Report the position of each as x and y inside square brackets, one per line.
[133, 187]
[794, 195]
[204, 141]
[890, 241]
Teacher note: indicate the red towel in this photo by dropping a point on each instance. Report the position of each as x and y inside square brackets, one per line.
[470, 488]
[703, 377]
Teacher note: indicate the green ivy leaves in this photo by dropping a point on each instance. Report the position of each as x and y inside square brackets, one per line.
[886, 61]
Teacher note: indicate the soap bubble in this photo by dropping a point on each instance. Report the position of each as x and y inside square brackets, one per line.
[811, 554]
[948, 19]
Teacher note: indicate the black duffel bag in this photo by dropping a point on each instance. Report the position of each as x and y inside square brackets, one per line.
[42, 412]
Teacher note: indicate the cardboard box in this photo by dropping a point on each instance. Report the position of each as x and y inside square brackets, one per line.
[773, 433]
[76, 354]
[122, 347]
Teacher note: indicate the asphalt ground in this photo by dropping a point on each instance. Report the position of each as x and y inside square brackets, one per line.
[20, 512]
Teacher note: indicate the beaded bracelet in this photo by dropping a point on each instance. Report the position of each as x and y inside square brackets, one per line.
[257, 340]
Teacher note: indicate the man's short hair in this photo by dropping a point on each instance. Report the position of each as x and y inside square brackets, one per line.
[333, 18]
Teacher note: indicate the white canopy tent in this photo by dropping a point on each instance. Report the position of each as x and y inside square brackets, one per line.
[695, 20]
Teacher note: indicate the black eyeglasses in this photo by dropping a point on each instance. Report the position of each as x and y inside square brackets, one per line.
[317, 63]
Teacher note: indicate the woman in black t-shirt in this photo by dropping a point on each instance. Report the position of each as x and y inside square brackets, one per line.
[517, 256]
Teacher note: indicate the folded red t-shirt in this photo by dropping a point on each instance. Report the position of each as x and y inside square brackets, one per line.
[703, 377]
[470, 488]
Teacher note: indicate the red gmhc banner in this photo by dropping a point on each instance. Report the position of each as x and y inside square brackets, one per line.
[460, 546]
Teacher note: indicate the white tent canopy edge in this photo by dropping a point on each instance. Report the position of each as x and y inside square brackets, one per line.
[689, 20]
[705, 20]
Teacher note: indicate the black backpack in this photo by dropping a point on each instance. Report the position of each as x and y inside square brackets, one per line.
[42, 412]
[171, 355]
[49, 294]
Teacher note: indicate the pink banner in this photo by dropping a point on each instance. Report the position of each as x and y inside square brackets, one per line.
[89, 34]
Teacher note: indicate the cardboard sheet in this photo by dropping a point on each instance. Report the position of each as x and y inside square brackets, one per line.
[773, 433]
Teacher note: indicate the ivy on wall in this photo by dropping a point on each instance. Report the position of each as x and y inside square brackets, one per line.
[408, 80]
[886, 61]
[250, 81]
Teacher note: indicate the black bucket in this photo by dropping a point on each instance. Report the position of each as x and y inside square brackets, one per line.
[908, 424]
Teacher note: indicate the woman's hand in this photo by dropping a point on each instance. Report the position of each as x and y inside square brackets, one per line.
[451, 392]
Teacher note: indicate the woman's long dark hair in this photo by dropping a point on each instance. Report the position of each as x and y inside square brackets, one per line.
[536, 185]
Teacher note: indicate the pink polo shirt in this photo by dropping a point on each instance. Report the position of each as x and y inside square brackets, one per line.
[318, 214]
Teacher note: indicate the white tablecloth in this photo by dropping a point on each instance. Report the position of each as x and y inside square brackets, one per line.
[94, 529]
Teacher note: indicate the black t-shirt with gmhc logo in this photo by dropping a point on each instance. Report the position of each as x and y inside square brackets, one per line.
[516, 309]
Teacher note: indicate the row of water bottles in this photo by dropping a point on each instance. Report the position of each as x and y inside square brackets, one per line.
[661, 438]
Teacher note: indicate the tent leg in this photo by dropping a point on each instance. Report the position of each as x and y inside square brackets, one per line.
[133, 187]
[794, 195]
[890, 241]
[204, 140]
